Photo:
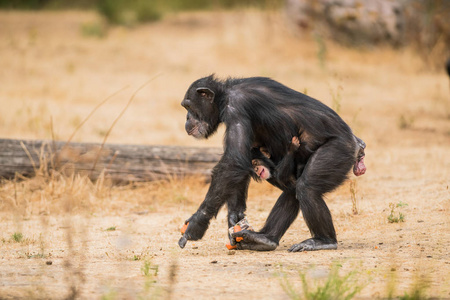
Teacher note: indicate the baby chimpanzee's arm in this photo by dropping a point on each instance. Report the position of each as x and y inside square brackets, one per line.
[286, 169]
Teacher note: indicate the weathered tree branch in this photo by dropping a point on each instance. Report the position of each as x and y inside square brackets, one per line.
[121, 163]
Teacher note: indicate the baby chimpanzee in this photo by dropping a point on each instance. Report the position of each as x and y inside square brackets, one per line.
[293, 163]
[288, 169]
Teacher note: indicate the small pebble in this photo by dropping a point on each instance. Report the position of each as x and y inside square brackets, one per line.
[48, 262]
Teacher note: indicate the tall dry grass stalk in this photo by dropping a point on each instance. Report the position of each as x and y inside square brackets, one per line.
[118, 118]
[173, 272]
[54, 190]
[353, 191]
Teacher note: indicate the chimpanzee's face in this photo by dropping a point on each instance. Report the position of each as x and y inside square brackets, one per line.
[202, 117]
[260, 169]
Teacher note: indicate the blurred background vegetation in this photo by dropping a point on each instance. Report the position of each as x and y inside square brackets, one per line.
[132, 12]
[421, 24]
[144, 10]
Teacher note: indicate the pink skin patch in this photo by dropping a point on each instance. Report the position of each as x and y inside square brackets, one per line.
[359, 168]
[262, 172]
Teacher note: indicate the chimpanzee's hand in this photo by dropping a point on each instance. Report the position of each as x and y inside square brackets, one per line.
[295, 144]
[198, 224]
[254, 241]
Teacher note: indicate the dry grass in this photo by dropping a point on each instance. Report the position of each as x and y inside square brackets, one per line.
[53, 76]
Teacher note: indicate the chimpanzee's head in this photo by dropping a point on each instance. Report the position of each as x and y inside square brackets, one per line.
[203, 116]
[263, 167]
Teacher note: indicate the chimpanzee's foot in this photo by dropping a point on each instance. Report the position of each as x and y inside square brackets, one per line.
[233, 218]
[254, 241]
[314, 245]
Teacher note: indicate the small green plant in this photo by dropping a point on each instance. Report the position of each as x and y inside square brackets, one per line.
[396, 216]
[333, 287]
[148, 269]
[17, 237]
[94, 29]
[417, 289]
[31, 255]
[416, 295]
[405, 122]
[110, 295]
[150, 290]
[391, 284]
[112, 228]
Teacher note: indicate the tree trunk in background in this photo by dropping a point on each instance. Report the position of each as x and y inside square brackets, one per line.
[422, 24]
[351, 21]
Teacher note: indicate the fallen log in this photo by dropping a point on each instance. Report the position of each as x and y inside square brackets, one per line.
[120, 163]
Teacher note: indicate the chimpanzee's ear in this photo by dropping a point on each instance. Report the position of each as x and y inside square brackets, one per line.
[206, 92]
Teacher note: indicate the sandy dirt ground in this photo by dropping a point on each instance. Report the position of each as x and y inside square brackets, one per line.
[68, 238]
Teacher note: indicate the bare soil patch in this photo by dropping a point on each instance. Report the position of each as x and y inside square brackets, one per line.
[95, 240]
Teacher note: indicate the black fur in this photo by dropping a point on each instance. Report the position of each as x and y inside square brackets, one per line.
[291, 166]
[447, 67]
[262, 112]
[287, 170]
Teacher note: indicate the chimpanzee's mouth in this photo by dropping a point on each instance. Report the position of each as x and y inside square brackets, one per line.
[261, 173]
[192, 131]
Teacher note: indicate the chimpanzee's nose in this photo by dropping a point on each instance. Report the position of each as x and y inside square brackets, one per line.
[186, 103]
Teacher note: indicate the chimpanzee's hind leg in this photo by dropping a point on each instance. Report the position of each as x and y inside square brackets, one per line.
[283, 213]
[326, 169]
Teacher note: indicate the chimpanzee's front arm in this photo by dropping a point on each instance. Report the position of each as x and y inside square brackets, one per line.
[229, 184]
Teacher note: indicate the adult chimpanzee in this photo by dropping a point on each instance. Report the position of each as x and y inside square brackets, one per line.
[261, 112]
